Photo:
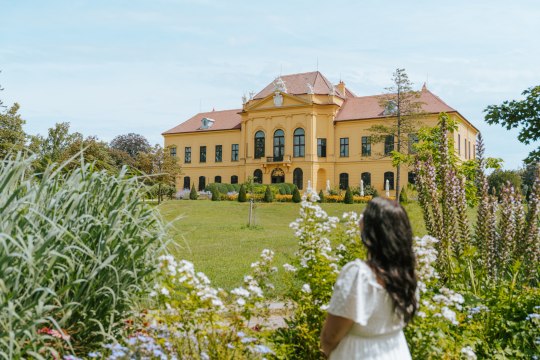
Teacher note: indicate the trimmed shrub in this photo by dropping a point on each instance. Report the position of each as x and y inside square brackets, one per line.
[282, 191]
[403, 198]
[321, 196]
[348, 199]
[296, 195]
[268, 195]
[61, 275]
[216, 195]
[242, 194]
[193, 195]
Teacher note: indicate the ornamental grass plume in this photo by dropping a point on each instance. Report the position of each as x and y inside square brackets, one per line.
[77, 249]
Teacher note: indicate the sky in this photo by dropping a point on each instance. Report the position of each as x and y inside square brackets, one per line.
[119, 66]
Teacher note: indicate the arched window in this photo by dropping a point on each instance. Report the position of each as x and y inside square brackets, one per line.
[411, 177]
[366, 178]
[259, 144]
[202, 183]
[187, 184]
[298, 178]
[257, 176]
[343, 181]
[299, 142]
[217, 179]
[234, 179]
[279, 145]
[390, 177]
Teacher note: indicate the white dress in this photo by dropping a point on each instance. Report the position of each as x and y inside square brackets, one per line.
[377, 332]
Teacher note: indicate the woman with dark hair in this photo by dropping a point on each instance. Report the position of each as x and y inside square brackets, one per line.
[375, 299]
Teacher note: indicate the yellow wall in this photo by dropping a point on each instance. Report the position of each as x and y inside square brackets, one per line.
[315, 115]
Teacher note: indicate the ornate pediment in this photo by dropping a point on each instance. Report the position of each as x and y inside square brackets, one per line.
[277, 100]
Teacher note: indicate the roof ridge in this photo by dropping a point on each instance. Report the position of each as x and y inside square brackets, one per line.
[215, 111]
[438, 98]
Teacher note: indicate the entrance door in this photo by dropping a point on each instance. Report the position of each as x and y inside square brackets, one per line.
[278, 176]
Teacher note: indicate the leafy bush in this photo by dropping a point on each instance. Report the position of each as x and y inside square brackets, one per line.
[268, 195]
[283, 198]
[76, 250]
[242, 194]
[370, 191]
[296, 195]
[193, 195]
[348, 199]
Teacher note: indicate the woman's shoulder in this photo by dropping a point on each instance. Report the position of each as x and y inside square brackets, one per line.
[363, 270]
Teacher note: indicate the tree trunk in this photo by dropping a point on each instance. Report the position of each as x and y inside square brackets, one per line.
[159, 194]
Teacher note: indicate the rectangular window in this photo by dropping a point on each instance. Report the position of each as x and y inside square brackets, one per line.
[219, 152]
[465, 148]
[469, 149]
[388, 144]
[458, 144]
[202, 155]
[413, 139]
[344, 147]
[366, 145]
[321, 147]
[234, 152]
[173, 151]
[187, 156]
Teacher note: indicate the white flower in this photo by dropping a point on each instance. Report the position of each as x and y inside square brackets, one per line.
[164, 291]
[240, 292]
[241, 301]
[449, 315]
[289, 268]
[468, 352]
[324, 307]
[306, 288]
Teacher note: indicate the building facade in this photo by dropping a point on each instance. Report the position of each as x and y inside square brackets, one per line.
[297, 129]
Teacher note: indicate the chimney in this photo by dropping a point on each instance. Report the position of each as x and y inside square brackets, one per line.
[341, 88]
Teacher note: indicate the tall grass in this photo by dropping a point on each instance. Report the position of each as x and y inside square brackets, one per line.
[76, 250]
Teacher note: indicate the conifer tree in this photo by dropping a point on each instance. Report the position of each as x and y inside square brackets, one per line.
[321, 196]
[216, 196]
[403, 104]
[348, 199]
[242, 197]
[296, 195]
[268, 196]
[193, 195]
[403, 198]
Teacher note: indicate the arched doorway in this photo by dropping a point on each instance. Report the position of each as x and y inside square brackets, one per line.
[278, 176]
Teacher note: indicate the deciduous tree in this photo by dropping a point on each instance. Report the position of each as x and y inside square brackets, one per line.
[161, 167]
[12, 135]
[523, 114]
[131, 143]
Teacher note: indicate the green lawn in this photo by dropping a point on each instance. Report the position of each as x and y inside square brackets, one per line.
[214, 235]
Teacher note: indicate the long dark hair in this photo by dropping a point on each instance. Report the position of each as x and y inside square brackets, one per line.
[387, 234]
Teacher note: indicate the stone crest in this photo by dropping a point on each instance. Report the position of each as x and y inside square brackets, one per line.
[278, 98]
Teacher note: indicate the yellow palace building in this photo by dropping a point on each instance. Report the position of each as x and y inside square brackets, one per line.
[300, 128]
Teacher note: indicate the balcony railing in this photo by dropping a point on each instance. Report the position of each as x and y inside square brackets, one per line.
[273, 159]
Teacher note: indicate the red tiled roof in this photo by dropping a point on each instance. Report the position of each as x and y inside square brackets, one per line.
[368, 107]
[296, 84]
[224, 120]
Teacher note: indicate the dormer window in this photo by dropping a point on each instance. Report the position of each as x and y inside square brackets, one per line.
[206, 123]
[390, 108]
